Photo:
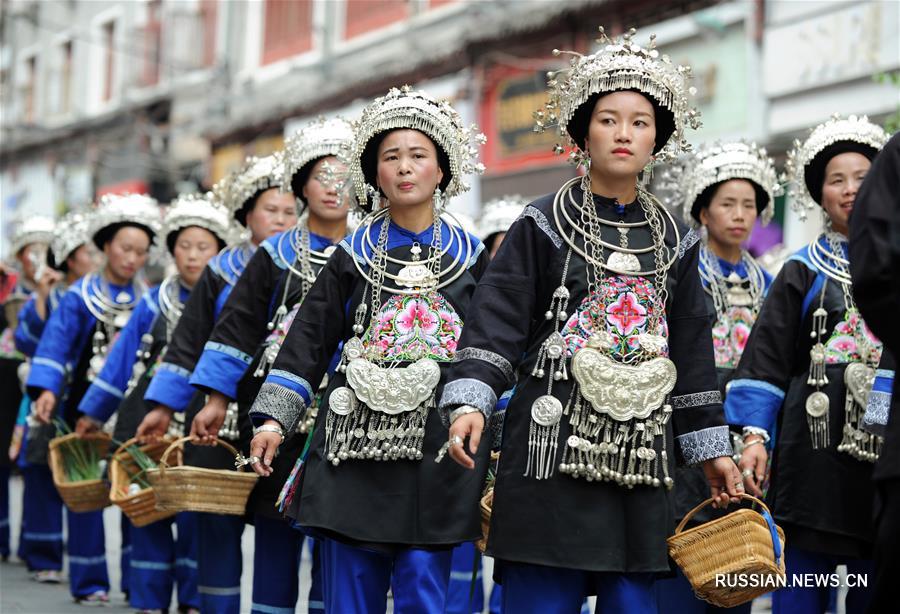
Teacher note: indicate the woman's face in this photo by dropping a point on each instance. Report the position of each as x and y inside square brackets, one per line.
[323, 200]
[126, 253]
[731, 213]
[274, 211]
[408, 168]
[622, 134]
[844, 173]
[82, 261]
[193, 249]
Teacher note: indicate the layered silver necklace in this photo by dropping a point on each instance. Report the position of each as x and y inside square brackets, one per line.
[858, 375]
[617, 409]
[111, 313]
[381, 411]
[730, 291]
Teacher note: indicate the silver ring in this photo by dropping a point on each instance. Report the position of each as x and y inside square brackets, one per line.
[253, 460]
[747, 473]
[739, 486]
[456, 440]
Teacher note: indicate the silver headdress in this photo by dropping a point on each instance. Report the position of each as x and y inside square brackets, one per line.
[201, 210]
[853, 129]
[33, 229]
[416, 110]
[499, 214]
[71, 233]
[717, 162]
[317, 139]
[621, 64]
[112, 209]
[256, 175]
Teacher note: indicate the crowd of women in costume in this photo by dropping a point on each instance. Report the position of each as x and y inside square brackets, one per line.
[369, 370]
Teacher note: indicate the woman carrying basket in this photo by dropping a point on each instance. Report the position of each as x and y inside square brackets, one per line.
[253, 195]
[805, 375]
[594, 300]
[395, 293]
[254, 322]
[195, 229]
[725, 188]
[73, 349]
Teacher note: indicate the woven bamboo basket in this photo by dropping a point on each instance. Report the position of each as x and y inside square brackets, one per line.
[140, 507]
[85, 495]
[486, 505]
[183, 488]
[740, 545]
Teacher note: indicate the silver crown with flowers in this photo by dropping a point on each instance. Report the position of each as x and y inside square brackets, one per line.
[71, 233]
[619, 64]
[201, 210]
[499, 214]
[317, 139]
[852, 128]
[255, 175]
[713, 163]
[124, 208]
[416, 110]
[33, 229]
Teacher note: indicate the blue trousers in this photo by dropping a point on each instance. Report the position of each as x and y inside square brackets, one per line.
[463, 595]
[159, 561]
[219, 563]
[676, 595]
[4, 511]
[553, 590]
[814, 600]
[357, 580]
[41, 540]
[87, 553]
[276, 565]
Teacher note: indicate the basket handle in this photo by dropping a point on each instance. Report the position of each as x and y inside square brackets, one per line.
[766, 514]
[124, 445]
[179, 443]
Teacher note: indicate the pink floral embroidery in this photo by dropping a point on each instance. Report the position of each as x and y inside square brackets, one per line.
[730, 334]
[411, 327]
[623, 307]
[842, 346]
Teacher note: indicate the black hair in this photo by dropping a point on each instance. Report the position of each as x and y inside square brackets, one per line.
[581, 119]
[814, 174]
[172, 237]
[105, 235]
[302, 175]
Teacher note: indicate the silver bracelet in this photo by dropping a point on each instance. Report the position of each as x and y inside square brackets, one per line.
[462, 410]
[269, 428]
[755, 430]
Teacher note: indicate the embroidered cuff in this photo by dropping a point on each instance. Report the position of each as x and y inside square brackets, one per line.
[492, 358]
[170, 387]
[219, 371]
[698, 446]
[697, 399]
[279, 403]
[101, 400]
[752, 402]
[468, 391]
[294, 382]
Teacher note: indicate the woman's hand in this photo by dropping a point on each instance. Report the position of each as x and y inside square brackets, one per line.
[208, 421]
[471, 426]
[86, 425]
[725, 483]
[44, 405]
[753, 463]
[263, 448]
[155, 424]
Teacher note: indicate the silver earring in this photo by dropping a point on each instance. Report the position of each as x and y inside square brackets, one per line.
[437, 201]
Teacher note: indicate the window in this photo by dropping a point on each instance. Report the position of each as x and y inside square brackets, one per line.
[366, 15]
[109, 56]
[288, 29]
[152, 44]
[65, 77]
[208, 16]
[28, 87]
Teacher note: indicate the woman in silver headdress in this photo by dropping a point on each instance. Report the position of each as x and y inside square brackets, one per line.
[594, 301]
[73, 349]
[723, 188]
[807, 369]
[395, 293]
[70, 257]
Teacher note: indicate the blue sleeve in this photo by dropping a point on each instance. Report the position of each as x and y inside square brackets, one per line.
[752, 402]
[220, 368]
[29, 329]
[60, 345]
[170, 386]
[108, 389]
